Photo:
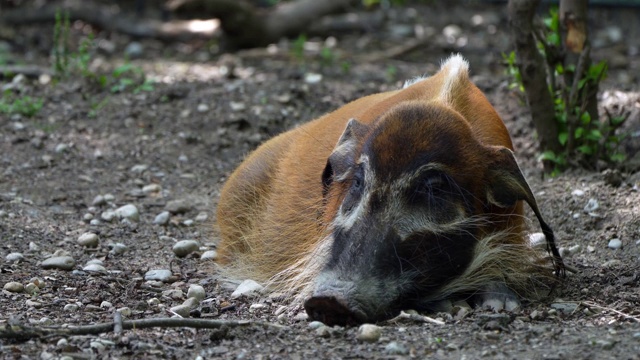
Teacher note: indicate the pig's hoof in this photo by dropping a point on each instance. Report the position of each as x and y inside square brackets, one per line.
[498, 297]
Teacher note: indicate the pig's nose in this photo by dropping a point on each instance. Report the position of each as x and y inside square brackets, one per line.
[332, 310]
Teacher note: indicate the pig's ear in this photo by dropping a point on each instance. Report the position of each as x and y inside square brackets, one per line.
[343, 155]
[506, 186]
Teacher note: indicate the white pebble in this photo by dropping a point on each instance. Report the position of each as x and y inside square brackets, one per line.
[280, 310]
[196, 291]
[312, 78]
[59, 262]
[209, 255]
[237, 106]
[118, 249]
[14, 257]
[315, 324]
[256, 307]
[185, 247]
[247, 288]
[97, 268]
[87, 217]
[106, 305]
[162, 218]
[88, 239]
[615, 243]
[62, 343]
[577, 192]
[98, 200]
[191, 302]
[61, 148]
[151, 188]
[13, 286]
[395, 348]
[369, 333]
[124, 311]
[33, 246]
[128, 211]
[107, 216]
[158, 274]
[202, 108]
[139, 169]
[182, 310]
[95, 261]
[38, 281]
[537, 240]
[591, 248]
[71, 307]
[31, 288]
[94, 222]
[575, 249]
[592, 205]
[109, 197]
[187, 222]
[202, 216]
[153, 302]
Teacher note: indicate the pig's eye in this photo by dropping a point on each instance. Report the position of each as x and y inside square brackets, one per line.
[358, 179]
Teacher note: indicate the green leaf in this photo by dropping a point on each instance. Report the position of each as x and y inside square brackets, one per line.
[585, 118]
[578, 133]
[548, 155]
[617, 120]
[585, 149]
[117, 72]
[553, 39]
[618, 157]
[562, 138]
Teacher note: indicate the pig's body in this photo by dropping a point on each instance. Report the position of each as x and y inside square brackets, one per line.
[396, 200]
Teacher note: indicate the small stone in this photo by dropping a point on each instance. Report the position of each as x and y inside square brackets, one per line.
[108, 215]
[139, 168]
[577, 192]
[109, 197]
[615, 244]
[312, 78]
[38, 281]
[187, 222]
[280, 310]
[33, 246]
[62, 343]
[196, 291]
[369, 333]
[14, 257]
[574, 249]
[538, 240]
[256, 307]
[591, 248]
[565, 307]
[33, 303]
[182, 310]
[124, 311]
[31, 288]
[158, 274]
[106, 305]
[315, 324]
[202, 108]
[301, 316]
[128, 211]
[202, 216]
[153, 302]
[605, 344]
[175, 294]
[88, 239]
[59, 262]
[96, 268]
[178, 206]
[185, 247]
[133, 50]
[151, 188]
[592, 205]
[87, 217]
[13, 286]
[323, 331]
[395, 348]
[247, 288]
[191, 302]
[94, 222]
[118, 249]
[61, 148]
[162, 218]
[209, 255]
[98, 201]
[237, 106]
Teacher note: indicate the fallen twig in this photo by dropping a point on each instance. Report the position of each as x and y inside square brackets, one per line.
[626, 316]
[415, 317]
[21, 332]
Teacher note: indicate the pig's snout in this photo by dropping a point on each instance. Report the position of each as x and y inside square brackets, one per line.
[334, 303]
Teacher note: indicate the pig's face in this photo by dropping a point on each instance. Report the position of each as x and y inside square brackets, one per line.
[406, 198]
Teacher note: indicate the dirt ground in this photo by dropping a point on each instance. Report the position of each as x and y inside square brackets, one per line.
[180, 141]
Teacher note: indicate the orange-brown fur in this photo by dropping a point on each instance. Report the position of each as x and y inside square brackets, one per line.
[266, 231]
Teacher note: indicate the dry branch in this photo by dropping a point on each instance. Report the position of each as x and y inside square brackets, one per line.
[111, 19]
[20, 332]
